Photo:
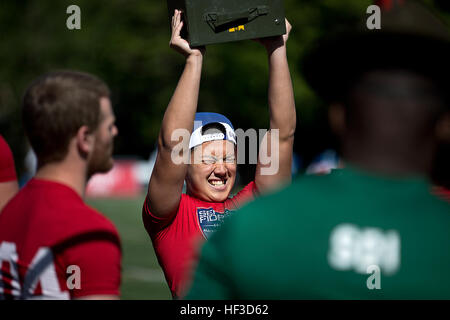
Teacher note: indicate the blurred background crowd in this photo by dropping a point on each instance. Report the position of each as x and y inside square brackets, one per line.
[126, 44]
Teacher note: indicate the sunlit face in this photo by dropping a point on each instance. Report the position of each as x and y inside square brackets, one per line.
[213, 172]
[101, 159]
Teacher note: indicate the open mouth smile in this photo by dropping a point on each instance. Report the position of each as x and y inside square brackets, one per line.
[218, 184]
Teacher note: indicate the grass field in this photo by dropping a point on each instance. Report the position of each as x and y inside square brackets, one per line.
[142, 277]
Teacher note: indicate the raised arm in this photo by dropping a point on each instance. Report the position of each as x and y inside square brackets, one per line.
[275, 156]
[166, 183]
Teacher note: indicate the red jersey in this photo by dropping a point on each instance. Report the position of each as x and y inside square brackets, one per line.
[442, 193]
[176, 240]
[53, 246]
[7, 169]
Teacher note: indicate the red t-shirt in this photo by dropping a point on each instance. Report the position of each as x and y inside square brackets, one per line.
[176, 240]
[442, 193]
[53, 246]
[7, 169]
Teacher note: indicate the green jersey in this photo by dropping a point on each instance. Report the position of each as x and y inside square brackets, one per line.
[347, 235]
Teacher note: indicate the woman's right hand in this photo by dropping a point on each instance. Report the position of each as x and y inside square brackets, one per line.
[178, 43]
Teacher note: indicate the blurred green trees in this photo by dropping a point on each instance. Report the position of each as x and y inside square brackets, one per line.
[125, 42]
